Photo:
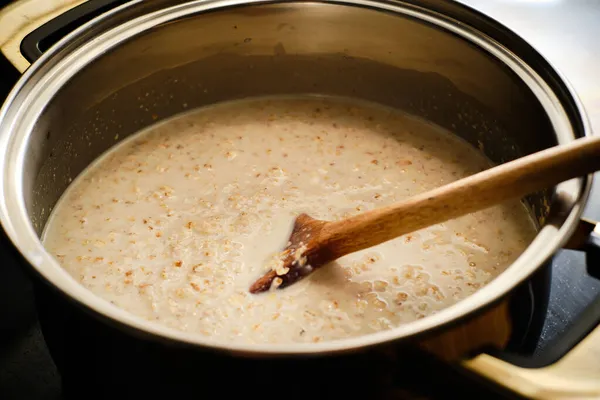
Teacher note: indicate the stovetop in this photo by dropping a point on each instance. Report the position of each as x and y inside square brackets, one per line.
[565, 32]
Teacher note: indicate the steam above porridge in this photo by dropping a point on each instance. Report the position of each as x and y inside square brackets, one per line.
[175, 223]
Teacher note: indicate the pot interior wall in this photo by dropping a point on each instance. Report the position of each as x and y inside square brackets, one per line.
[264, 50]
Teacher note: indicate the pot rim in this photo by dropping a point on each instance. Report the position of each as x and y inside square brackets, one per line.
[45, 77]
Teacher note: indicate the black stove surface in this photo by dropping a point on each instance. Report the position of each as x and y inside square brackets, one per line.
[28, 372]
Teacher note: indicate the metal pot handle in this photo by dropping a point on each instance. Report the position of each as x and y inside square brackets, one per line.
[576, 375]
[47, 24]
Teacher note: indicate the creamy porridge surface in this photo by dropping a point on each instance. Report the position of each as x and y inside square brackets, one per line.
[175, 223]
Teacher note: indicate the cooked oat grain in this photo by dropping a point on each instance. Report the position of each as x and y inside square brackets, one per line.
[175, 224]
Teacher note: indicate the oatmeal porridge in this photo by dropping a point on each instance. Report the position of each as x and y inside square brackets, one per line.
[175, 223]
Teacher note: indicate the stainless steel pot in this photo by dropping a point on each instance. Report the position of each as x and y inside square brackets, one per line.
[146, 61]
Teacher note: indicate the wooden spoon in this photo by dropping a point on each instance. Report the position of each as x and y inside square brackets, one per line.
[314, 243]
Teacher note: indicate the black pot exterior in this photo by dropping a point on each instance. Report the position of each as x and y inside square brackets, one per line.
[17, 310]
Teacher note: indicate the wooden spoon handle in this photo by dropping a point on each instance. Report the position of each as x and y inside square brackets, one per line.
[507, 181]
